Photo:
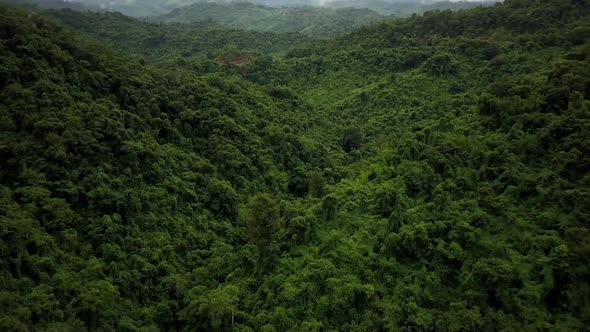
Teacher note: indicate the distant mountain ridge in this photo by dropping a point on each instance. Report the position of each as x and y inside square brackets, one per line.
[146, 8]
[430, 173]
[406, 8]
[313, 21]
[157, 42]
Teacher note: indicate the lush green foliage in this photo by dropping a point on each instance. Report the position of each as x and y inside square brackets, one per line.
[312, 21]
[55, 4]
[117, 179]
[407, 7]
[137, 8]
[424, 174]
[153, 8]
[169, 42]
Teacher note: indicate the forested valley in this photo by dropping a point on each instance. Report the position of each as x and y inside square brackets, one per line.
[427, 173]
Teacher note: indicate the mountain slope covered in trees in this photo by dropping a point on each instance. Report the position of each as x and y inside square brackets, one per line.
[423, 174]
[152, 8]
[407, 7]
[135, 8]
[167, 42]
[313, 21]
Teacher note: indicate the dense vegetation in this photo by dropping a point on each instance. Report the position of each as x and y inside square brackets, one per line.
[423, 174]
[407, 7]
[137, 8]
[168, 42]
[152, 8]
[313, 21]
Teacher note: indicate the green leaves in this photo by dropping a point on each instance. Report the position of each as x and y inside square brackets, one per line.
[98, 306]
[216, 308]
[422, 174]
[223, 199]
[317, 22]
[352, 139]
[262, 221]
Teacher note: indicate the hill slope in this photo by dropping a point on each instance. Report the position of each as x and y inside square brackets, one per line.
[407, 8]
[107, 164]
[162, 42]
[313, 21]
[133, 8]
[423, 174]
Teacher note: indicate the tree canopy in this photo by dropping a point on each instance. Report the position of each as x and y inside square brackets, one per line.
[428, 173]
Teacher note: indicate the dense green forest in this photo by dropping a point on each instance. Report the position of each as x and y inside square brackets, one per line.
[313, 21]
[136, 8]
[153, 8]
[422, 174]
[408, 7]
[169, 42]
